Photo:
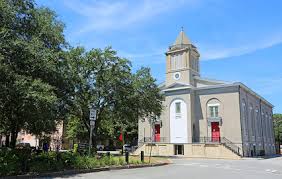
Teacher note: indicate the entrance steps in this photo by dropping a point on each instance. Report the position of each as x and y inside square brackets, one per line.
[215, 151]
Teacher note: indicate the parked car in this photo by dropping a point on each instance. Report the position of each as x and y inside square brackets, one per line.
[110, 148]
[127, 147]
[100, 147]
[23, 146]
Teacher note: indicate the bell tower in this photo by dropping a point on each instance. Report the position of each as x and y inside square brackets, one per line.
[182, 61]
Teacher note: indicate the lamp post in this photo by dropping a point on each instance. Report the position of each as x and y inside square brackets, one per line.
[92, 119]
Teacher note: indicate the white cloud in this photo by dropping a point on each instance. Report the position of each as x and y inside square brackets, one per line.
[155, 57]
[113, 15]
[102, 15]
[213, 52]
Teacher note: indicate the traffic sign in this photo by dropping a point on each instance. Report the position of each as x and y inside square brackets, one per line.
[92, 115]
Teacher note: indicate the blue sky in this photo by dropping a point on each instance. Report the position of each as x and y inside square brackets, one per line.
[238, 40]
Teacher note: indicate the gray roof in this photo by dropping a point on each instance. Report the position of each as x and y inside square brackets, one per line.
[182, 39]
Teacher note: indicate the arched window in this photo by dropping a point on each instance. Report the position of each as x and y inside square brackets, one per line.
[178, 121]
[267, 126]
[213, 108]
[252, 121]
[176, 61]
[244, 117]
[257, 122]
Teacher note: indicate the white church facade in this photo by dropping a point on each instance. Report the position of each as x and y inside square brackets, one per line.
[205, 118]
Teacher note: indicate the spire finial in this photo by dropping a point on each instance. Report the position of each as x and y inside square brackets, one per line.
[182, 29]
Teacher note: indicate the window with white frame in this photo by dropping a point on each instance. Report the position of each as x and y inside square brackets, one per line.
[177, 107]
[213, 110]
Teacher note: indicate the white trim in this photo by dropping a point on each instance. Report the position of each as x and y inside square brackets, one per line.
[179, 75]
[216, 104]
[178, 122]
[179, 88]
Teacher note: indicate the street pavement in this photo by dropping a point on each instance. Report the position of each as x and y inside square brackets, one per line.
[199, 169]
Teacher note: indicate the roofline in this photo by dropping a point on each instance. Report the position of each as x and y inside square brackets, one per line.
[253, 93]
[161, 84]
[220, 86]
[178, 88]
[198, 78]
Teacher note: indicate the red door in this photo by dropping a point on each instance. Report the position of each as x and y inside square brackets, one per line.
[215, 132]
[157, 132]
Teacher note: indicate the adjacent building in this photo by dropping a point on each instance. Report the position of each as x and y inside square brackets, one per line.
[203, 117]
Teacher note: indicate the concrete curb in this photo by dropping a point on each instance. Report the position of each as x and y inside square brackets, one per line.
[79, 171]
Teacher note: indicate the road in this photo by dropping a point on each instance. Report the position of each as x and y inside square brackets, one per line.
[199, 169]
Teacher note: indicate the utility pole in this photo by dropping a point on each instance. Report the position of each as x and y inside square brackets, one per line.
[92, 119]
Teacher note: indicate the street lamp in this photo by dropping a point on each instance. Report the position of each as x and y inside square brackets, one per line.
[92, 119]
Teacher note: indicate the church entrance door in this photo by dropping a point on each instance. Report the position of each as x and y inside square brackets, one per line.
[215, 132]
[157, 132]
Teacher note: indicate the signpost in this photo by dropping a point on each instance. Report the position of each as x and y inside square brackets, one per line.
[92, 118]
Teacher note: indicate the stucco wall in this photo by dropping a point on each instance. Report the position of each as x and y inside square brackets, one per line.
[229, 111]
[257, 126]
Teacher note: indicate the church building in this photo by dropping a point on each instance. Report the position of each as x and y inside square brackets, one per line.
[203, 117]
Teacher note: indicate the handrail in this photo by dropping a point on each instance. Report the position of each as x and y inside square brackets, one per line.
[201, 140]
[230, 145]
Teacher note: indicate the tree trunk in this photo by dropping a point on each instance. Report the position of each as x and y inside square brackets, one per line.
[7, 140]
[14, 136]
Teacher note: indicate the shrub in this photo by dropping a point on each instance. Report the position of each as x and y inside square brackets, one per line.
[68, 159]
[12, 162]
[134, 162]
[46, 161]
[121, 161]
[9, 162]
[84, 162]
[114, 161]
[106, 160]
[75, 148]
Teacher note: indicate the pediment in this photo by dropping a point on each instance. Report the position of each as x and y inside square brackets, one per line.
[177, 85]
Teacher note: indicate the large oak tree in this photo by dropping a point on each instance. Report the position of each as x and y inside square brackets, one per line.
[33, 88]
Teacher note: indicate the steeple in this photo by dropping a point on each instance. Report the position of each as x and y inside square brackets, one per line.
[182, 59]
[182, 38]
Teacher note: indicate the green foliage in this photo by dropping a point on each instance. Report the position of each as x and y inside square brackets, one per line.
[135, 162]
[75, 148]
[105, 81]
[75, 129]
[277, 124]
[46, 162]
[85, 162]
[33, 80]
[121, 161]
[43, 80]
[9, 163]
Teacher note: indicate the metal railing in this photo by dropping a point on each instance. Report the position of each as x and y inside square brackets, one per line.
[230, 145]
[200, 140]
[206, 140]
[154, 140]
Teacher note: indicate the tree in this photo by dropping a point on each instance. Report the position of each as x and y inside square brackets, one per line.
[98, 76]
[43, 80]
[105, 81]
[277, 123]
[144, 101]
[76, 130]
[33, 87]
